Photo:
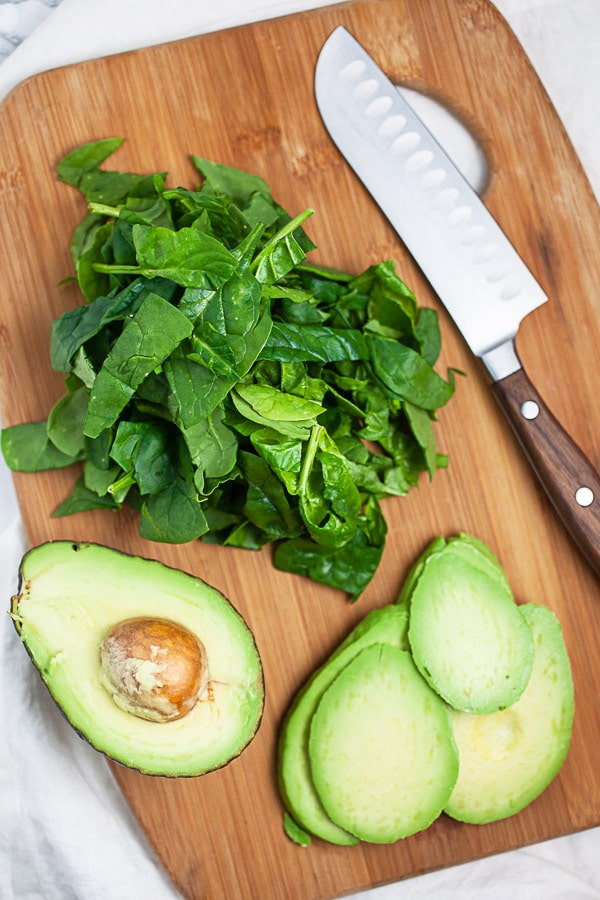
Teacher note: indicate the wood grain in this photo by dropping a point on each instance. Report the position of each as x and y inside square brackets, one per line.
[245, 97]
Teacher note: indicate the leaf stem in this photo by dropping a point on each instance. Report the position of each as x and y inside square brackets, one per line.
[309, 457]
[101, 209]
[115, 270]
[125, 481]
[288, 228]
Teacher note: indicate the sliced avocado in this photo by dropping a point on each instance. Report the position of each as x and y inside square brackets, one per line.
[72, 595]
[472, 549]
[467, 635]
[382, 755]
[295, 782]
[294, 832]
[416, 570]
[508, 758]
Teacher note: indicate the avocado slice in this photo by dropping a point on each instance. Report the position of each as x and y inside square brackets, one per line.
[382, 754]
[72, 595]
[466, 546]
[508, 758]
[467, 635]
[295, 781]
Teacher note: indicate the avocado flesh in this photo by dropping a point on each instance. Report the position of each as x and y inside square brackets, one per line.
[295, 780]
[383, 758]
[467, 635]
[468, 547]
[71, 594]
[508, 758]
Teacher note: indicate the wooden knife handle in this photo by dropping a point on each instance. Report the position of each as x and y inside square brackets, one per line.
[565, 473]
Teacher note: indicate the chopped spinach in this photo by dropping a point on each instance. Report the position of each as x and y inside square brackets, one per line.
[226, 387]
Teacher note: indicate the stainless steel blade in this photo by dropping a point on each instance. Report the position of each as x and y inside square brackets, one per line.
[468, 260]
[466, 257]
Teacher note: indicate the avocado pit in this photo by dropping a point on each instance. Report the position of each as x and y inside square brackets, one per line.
[153, 668]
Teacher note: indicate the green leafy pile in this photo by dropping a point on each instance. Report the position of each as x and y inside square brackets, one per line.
[224, 386]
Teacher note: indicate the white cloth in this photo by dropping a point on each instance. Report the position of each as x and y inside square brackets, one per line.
[65, 831]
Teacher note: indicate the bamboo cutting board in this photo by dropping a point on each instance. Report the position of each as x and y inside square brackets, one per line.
[245, 97]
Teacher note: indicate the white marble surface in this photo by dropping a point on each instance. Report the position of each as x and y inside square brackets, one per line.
[65, 832]
[19, 19]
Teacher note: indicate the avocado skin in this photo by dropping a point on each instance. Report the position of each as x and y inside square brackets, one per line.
[45, 665]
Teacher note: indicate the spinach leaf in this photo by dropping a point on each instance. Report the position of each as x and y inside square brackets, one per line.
[75, 327]
[143, 451]
[174, 515]
[27, 448]
[147, 339]
[65, 422]
[225, 386]
[348, 568]
[289, 342]
[408, 375]
[86, 158]
[82, 499]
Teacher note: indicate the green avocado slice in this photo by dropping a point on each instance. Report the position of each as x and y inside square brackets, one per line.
[295, 782]
[468, 547]
[508, 758]
[383, 759]
[467, 635]
[71, 594]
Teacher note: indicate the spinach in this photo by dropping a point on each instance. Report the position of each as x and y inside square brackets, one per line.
[225, 386]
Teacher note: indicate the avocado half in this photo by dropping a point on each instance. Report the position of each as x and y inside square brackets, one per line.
[72, 594]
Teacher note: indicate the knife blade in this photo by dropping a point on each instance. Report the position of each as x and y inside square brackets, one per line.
[464, 254]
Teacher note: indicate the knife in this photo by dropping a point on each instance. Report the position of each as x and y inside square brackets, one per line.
[466, 257]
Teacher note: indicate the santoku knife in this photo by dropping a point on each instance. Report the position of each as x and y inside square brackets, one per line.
[465, 256]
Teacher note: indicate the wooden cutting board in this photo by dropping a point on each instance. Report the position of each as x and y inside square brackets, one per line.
[245, 97]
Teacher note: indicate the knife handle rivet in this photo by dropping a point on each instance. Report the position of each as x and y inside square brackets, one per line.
[530, 410]
[584, 496]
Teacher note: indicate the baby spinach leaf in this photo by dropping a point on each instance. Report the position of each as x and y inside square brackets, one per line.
[143, 449]
[27, 448]
[292, 429]
[229, 181]
[289, 342]
[422, 428]
[82, 499]
[226, 387]
[86, 158]
[65, 422]
[405, 373]
[77, 326]
[175, 514]
[97, 479]
[147, 339]
[277, 406]
[212, 446]
[281, 252]
[188, 256]
[427, 330]
[195, 390]
[349, 568]
[267, 506]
